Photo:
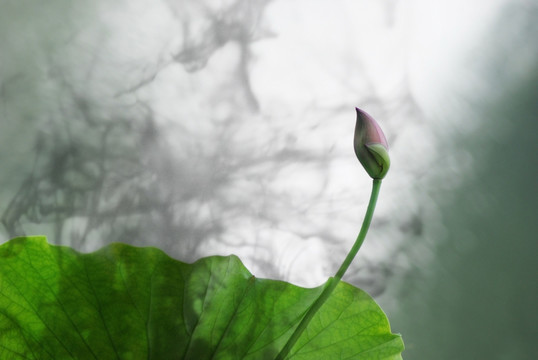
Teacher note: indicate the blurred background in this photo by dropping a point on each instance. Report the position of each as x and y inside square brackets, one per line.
[225, 126]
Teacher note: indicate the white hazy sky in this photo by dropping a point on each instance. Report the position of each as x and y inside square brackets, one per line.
[427, 41]
[324, 55]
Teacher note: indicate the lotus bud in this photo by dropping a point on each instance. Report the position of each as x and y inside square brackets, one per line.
[371, 146]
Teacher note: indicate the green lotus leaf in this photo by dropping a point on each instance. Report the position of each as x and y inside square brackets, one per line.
[124, 302]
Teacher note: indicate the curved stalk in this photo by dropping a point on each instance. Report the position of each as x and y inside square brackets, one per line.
[330, 285]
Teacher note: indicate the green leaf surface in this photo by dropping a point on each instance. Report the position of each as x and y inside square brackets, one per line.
[124, 302]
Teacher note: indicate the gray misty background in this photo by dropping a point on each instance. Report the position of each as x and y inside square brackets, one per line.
[215, 127]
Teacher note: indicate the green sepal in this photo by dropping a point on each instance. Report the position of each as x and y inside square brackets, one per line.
[381, 156]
